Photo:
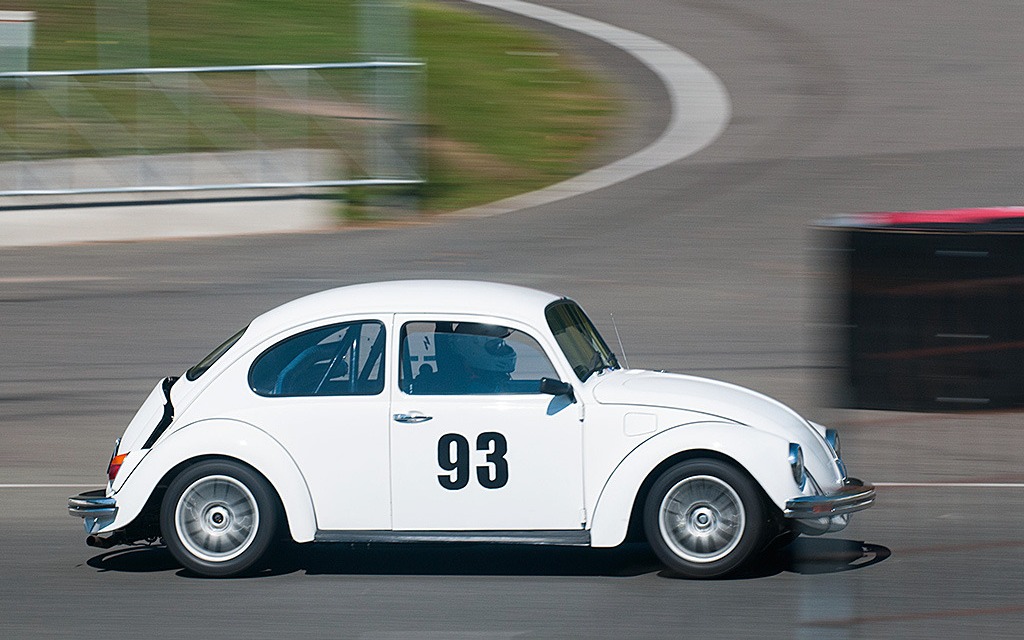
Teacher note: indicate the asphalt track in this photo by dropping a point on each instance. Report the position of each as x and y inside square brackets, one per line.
[708, 266]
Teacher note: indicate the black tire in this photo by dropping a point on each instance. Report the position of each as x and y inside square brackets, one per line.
[218, 518]
[704, 518]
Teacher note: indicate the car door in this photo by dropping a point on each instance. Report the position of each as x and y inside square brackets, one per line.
[475, 446]
[322, 392]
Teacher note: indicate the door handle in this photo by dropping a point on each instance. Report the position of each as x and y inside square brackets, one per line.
[411, 418]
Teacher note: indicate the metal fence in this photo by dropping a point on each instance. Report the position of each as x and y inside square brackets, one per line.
[113, 133]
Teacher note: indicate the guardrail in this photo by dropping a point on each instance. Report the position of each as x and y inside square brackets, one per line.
[304, 127]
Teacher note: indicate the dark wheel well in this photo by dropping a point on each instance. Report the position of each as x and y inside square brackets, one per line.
[635, 531]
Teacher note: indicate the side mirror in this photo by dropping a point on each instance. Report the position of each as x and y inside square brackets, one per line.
[557, 388]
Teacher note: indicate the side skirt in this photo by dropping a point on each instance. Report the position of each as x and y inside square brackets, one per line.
[579, 538]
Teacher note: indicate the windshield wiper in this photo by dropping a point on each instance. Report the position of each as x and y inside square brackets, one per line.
[597, 365]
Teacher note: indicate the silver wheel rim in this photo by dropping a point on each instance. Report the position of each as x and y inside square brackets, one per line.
[217, 518]
[702, 519]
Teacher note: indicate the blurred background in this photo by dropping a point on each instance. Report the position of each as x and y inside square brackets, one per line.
[222, 95]
[357, 144]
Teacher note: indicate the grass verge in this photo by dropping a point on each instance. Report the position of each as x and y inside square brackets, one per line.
[506, 110]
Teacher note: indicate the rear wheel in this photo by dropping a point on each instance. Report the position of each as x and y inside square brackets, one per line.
[704, 518]
[218, 518]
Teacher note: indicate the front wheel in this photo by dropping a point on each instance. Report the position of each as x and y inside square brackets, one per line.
[704, 518]
[218, 518]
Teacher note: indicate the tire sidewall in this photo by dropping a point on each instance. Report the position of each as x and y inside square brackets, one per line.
[753, 508]
[266, 504]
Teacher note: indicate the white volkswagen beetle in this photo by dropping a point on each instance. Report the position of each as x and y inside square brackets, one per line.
[458, 411]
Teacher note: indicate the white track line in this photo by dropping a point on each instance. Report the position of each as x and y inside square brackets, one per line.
[55, 279]
[95, 485]
[700, 108]
[955, 485]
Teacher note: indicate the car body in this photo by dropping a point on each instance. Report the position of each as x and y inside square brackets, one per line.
[458, 410]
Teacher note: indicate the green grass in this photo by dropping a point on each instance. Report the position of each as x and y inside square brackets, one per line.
[506, 110]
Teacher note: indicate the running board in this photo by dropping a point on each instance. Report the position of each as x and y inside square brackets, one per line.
[578, 538]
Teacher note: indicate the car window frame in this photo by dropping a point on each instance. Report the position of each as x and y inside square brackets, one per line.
[197, 370]
[545, 346]
[608, 359]
[334, 325]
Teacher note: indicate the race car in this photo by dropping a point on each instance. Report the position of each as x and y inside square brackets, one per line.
[421, 410]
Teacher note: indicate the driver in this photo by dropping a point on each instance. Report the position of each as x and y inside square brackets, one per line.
[487, 358]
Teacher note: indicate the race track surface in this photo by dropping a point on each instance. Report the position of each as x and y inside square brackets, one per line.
[709, 267]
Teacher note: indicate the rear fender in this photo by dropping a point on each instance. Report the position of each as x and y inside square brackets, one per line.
[220, 438]
[762, 455]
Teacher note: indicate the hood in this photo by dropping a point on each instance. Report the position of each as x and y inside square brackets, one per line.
[714, 398]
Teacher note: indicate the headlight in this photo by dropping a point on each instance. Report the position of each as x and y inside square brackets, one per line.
[832, 437]
[796, 464]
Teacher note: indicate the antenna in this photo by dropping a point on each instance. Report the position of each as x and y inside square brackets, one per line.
[622, 349]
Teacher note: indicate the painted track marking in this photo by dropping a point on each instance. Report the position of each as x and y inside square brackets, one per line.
[94, 485]
[952, 485]
[699, 101]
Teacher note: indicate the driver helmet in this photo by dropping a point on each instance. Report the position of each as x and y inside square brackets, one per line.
[483, 347]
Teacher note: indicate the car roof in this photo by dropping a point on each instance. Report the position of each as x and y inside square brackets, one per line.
[409, 296]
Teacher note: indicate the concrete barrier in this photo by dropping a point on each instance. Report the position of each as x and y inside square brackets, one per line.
[68, 218]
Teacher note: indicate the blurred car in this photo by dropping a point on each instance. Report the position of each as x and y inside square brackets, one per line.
[458, 411]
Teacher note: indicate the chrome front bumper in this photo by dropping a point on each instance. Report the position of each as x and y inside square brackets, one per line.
[854, 495]
[95, 507]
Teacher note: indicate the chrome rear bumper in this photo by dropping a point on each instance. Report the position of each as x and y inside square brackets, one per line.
[854, 495]
[95, 507]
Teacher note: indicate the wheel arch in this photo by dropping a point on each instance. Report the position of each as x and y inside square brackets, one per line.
[634, 531]
[618, 511]
[147, 523]
[213, 439]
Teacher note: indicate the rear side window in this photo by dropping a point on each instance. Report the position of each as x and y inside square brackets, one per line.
[338, 360]
[214, 356]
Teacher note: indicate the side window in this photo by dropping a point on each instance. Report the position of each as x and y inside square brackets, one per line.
[339, 360]
[449, 358]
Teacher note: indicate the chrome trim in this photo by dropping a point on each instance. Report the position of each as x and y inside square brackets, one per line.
[411, 418]
[572, 538]
[832, 438]
[815, 487]
[854, 495]
[796, 465]
[92, 504]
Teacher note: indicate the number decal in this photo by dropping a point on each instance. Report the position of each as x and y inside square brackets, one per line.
[459, 464]
[495, 458]
[492, 475]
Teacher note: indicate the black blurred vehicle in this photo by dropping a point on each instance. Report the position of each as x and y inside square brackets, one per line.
[934, 308]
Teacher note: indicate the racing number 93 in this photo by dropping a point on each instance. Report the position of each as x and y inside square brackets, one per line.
[453, 455]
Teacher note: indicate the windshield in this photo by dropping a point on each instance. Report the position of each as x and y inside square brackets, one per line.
[579, 340]
[215, 355]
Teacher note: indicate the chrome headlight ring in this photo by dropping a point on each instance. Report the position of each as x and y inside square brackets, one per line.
[832, 437]
[796, 465]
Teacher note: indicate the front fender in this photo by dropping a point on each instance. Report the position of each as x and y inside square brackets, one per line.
[760, 454]
[226, 438]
